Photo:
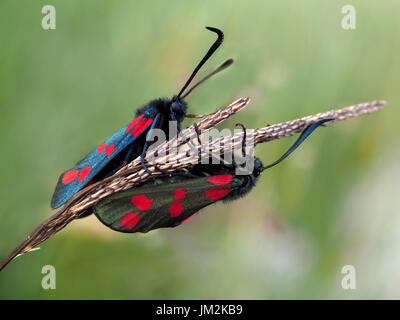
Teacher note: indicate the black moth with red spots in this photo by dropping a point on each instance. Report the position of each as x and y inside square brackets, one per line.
[169, 201]
[130, 142]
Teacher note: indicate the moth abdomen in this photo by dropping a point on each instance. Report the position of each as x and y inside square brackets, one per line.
[246, 185]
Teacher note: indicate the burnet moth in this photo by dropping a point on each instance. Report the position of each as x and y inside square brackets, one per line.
[169, 200]
[130, 141]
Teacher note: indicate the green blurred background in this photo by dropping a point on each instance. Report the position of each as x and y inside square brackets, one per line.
[334, 202]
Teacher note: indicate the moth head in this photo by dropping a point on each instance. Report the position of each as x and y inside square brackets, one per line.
[178, 109]
[258, 167]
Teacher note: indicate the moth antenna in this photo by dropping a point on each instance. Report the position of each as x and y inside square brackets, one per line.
[209, 53]
[223, 66]
[299, 141]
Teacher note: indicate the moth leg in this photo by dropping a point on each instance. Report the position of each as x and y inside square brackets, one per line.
[128, 154]
[210, 155]
[180, 132]
[244, 155]
[244, 138]
[188, 141]
[183, 174]
[196, 128]
[160, 170]
[142, 159]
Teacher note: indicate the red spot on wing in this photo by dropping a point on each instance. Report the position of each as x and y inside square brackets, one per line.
[186, 218]
[220, 180]
[101, 148]
[175, 209]
[129, 220]
[183, 220]
[133, 123]
[179, 194]
[70, 176]
[85, 171]
[217, 193]
[141, 202]
[110, 149]
[141, 126]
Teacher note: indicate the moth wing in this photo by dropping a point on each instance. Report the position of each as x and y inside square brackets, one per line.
[74, 179]
[168, 204]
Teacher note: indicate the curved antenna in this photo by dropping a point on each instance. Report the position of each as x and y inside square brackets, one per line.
[244, 138]
[209, 53]
[299, 141]
[223, 66]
